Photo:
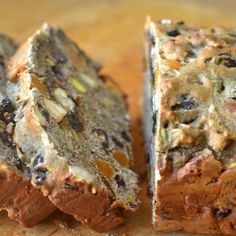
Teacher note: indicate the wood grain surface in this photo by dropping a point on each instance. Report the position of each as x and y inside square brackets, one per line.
[112, 33]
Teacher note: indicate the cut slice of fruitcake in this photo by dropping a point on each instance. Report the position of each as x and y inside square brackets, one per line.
[18, 197]
[73, 130]
[190, 113]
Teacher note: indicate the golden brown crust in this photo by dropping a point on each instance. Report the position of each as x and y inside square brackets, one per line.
[197, 198]
[87, 204]
[22, 201]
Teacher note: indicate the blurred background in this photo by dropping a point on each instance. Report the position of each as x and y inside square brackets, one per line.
[111, 32]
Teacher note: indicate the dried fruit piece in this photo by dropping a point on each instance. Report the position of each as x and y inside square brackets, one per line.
[226, 60]
[5, 106]
[117, 142]
[75, 122]
[38, 160]
[173, 33]
[221, 213]
[119, 181]
[173, 64]
[102, 136]
[120, 156]
[105, 168]
[39, 179]
[55, 110]
[39, 85]
[132, 197]
[186, 102]
[125, 136]
[40, 175]
[77, 85]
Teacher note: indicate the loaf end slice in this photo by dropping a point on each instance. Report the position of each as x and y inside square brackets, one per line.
[190, 103]
[19, 198]
[74, 130]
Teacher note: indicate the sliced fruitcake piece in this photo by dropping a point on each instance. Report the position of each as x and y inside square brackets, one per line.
[190, 100]
[73, 128]
[18, 197]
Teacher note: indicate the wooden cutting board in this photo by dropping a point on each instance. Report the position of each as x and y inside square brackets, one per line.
[112, 33]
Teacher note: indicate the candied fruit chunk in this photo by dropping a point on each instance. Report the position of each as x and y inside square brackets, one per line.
[39, 85]
[77, 85]
[121, 157]
[105, 168]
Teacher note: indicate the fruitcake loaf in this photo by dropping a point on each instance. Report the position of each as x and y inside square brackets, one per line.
[73, 130]
[190, 129]
[18, 197]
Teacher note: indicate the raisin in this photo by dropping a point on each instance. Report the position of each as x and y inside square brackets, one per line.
[154, 122]
[10, 118]
[208, 59]
[119, 181]
[220, 213]
[6, 105]
[173, 33]
[57, 70]
[40, 179]
[125, 136]
[117, 142]
[41, 170]
[40, 175]
[38, 159]
[186, 102]
[103, 136]
[70, 187]
[18, 163]
[226, 60]
[7, 140]
[75, 122]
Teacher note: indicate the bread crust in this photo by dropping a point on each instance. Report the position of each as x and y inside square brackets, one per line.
[191, 94]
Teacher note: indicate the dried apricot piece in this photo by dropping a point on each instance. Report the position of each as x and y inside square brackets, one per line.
[121, 157]
[105, 168]
[39, 85]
